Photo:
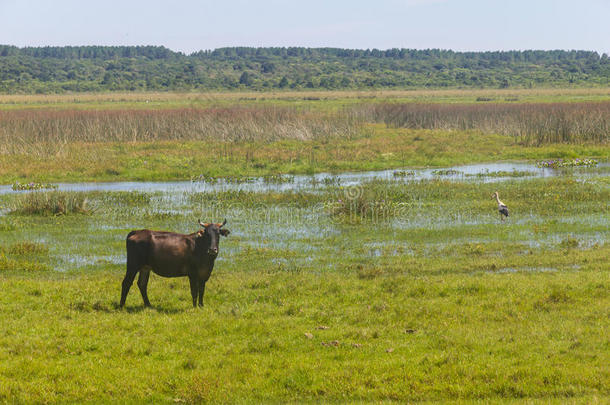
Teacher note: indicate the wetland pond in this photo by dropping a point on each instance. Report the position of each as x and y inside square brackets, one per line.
[304, 237]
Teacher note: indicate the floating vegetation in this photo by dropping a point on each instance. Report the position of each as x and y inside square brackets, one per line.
[557, 163]
[32, 186]
[226, 180]
[326, 181]
[278, 179]
[502, 173]
[331, 181]
[446, 172]
[403, 173]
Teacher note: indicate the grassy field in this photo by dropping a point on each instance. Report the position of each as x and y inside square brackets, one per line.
[316, 304]
[393, 290]
[323, 100]
[183, 160]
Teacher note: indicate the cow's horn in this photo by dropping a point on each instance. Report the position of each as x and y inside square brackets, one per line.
[223, 224]
[204, 225]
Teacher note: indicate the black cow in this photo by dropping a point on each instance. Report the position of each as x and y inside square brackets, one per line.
[171, 254]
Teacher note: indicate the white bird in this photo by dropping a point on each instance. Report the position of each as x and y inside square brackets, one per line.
[502, 208]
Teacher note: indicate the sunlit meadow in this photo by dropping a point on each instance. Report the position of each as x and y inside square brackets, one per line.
[406, 287]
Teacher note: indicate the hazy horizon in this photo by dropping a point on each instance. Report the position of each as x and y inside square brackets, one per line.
[471, 25]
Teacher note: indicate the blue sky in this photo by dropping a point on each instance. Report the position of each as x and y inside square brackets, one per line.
[191, 25]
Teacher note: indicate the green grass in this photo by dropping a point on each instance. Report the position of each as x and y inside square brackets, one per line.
[401, 338]
[438, 302]
[410, 292]
[320, 100]
[380, 148]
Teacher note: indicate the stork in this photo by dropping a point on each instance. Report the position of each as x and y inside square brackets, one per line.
[502, 208]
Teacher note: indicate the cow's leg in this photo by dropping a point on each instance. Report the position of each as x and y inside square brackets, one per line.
[194, 280]
[201, 291]
[130, 275]
[143, 285]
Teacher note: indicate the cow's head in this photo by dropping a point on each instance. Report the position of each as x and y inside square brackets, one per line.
[211, 234]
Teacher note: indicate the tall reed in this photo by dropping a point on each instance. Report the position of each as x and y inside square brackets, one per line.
[48, 130]
[530, 124]
[51, 203]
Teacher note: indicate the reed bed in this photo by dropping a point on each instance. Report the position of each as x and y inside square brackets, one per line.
[51, 203]
[531, 124]
[47, 130]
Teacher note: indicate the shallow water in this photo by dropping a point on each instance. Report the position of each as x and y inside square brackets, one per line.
[525, 270]
[307, 237]
[482, 172]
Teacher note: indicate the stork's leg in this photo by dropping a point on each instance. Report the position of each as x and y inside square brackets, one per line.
[194, 281]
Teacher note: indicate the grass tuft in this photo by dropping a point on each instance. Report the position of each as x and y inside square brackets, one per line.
[52, 203]
[28, 248]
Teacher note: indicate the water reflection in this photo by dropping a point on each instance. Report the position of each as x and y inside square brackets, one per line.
[483, 172]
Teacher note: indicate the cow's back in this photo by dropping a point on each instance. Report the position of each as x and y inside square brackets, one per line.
[169, 254]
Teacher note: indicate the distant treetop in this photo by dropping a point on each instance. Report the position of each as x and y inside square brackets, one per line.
[141, 68]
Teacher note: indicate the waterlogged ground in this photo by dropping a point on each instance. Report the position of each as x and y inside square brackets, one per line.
[483, 173]
[280, 216]
[364, 287]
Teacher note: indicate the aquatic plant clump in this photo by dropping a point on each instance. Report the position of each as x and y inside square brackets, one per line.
[278, 179]
[52, 203]
[557, 163]
[403, 173]
[446, 172]
[32, 186]
[502, 173]
[372, 202]
[226, 180]
[326, 181]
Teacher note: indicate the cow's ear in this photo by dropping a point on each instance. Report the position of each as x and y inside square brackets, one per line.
[224, 232]
[200, 233]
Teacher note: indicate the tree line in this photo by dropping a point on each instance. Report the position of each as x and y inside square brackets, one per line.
[156, 68]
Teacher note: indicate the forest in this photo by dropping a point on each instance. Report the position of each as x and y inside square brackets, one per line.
[44, 70]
